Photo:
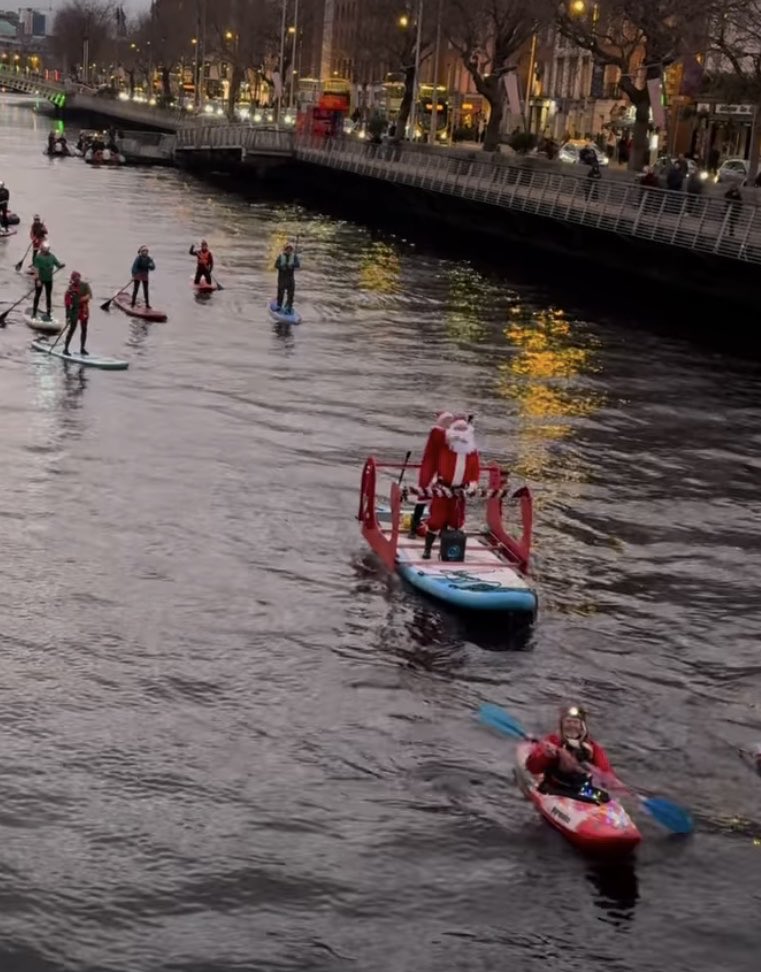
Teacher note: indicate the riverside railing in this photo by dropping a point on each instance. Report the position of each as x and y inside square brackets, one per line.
[706, 224]
[250, 140]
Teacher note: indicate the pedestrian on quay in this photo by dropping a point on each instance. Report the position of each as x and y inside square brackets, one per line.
[45, 265]
[734, 203]
[593, 177]
[142, 266]
[77, 301]
[714, 159]
[286, 265]
[694, 188]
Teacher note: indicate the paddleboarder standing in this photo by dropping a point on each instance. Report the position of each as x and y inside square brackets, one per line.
[286, 265]
[142, 265]
[45, 264]
[204, 263]
[37, 234]
[77, 300]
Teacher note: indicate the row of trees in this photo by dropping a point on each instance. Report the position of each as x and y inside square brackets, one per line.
[639, 38]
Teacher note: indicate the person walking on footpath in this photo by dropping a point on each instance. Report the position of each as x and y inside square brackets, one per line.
[45, 265]
[593, 177]
[694, 189]
[77, 300]
[286, 265]
[142, 266]
[734, 203]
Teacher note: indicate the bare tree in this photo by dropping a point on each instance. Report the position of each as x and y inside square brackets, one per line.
[80, 20]
[736, 74]
[640, 38]
[489, 36]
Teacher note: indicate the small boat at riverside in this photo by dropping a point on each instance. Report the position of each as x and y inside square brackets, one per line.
[42, 323]
[90, 360]
[594, 823]
[283, 317]
[487, 574]
[100, 157]
[123, 301]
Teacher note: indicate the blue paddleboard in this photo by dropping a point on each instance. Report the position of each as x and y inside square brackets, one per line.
[281, 316]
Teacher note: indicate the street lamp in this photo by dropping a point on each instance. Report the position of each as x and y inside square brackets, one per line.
[294, 32]
[404, 21]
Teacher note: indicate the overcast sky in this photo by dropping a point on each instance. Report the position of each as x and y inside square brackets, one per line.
[45, 6]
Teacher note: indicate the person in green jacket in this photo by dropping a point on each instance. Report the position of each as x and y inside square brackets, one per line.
[45, 264]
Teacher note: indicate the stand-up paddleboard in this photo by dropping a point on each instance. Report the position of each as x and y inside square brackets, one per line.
[42, 323]
[203, 287]
[91, 360]
[281, 316]
[4, 234]
[124, 302]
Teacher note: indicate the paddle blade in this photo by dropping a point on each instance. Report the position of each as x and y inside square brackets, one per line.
[107, 305]
[496, 718]
[669, 815]
[3, 317]
[19, 265]
[219, 285]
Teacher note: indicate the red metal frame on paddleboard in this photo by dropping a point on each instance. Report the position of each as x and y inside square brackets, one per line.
[517, 550]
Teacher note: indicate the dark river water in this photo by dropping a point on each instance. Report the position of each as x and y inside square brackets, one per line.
[229, 740]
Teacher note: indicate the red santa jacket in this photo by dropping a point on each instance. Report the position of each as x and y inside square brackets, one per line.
[539, 761]
[437, 438]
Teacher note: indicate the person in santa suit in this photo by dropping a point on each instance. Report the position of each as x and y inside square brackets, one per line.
[429, 463]
[456, 465]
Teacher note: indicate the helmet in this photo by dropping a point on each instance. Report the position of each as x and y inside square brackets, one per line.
[577, 712]
[2, 184]
[36, 218]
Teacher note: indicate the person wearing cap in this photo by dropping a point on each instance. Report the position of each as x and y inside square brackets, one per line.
[77, 300]
[142, 265]
[37, 234]
[286, 265]
[563, 757]
[45, 265]
[5, 198]
[204, 263]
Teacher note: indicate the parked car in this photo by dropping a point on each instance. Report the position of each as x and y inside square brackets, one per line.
[733, 170]
[571, 151]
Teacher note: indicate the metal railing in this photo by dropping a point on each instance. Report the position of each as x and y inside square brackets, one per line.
[264, 141]
[28, 82]
[700, 223]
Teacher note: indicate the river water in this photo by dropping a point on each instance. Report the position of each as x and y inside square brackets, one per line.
[229, 740]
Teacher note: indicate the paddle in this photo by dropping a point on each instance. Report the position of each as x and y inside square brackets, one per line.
[20, 264]
[5, 313]
[107, 305]
[404, 466]
[668, 814]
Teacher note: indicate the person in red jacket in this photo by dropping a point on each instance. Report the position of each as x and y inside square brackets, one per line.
[562, 756]
[428, 464]
[204, 263]
[456, 465]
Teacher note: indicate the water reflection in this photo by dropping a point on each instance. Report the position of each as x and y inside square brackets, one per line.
[379, 268]
[469, 301]
[547, 377]
[617, 889]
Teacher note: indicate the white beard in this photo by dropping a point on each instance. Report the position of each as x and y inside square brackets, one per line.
[461, 443]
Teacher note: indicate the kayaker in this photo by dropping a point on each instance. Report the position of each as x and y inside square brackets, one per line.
[5, 198]
[455, 465]
[51, 143]
[45, 264]
[77, 300]
[37, 234]
[286, 265]
[561, 756]
[204, 262]
[141, 267]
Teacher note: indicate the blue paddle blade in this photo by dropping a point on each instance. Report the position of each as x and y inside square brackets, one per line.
[669, 815]
[496, 718]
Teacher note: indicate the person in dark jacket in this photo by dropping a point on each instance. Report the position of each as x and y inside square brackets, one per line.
[286, 265]
[734, 203]
[593, 177]
[5, 198]
[141, 267]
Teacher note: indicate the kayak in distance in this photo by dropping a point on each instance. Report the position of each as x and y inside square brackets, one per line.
[42, 323]
[597, 824]
[124, 302]
[90, 360]
[282, 316]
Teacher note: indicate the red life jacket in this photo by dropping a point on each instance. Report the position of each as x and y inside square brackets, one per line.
[204, 258]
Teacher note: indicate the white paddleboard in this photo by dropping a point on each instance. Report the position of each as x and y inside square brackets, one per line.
[50, 325]
[281, 317]
[91, 360]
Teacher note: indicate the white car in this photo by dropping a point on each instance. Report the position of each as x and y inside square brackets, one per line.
[570, 151]
[733, 170]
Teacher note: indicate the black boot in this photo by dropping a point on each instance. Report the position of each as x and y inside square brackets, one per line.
[417, 516]
[430, 539]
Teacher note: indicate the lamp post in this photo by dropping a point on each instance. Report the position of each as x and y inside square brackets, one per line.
[416, 70]
[295, 31]
[281, 62]
[435, 95]
[530, 84]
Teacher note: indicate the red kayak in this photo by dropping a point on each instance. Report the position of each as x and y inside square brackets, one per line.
[124, 302]
[594, 827]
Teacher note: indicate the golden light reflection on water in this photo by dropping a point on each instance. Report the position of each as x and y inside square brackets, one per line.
[468, 293]
[545, 376]
[380, 268]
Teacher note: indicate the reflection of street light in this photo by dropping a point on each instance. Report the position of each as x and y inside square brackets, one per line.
[229, 35]
[578, 7]
[404, 21]
[291, 30]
